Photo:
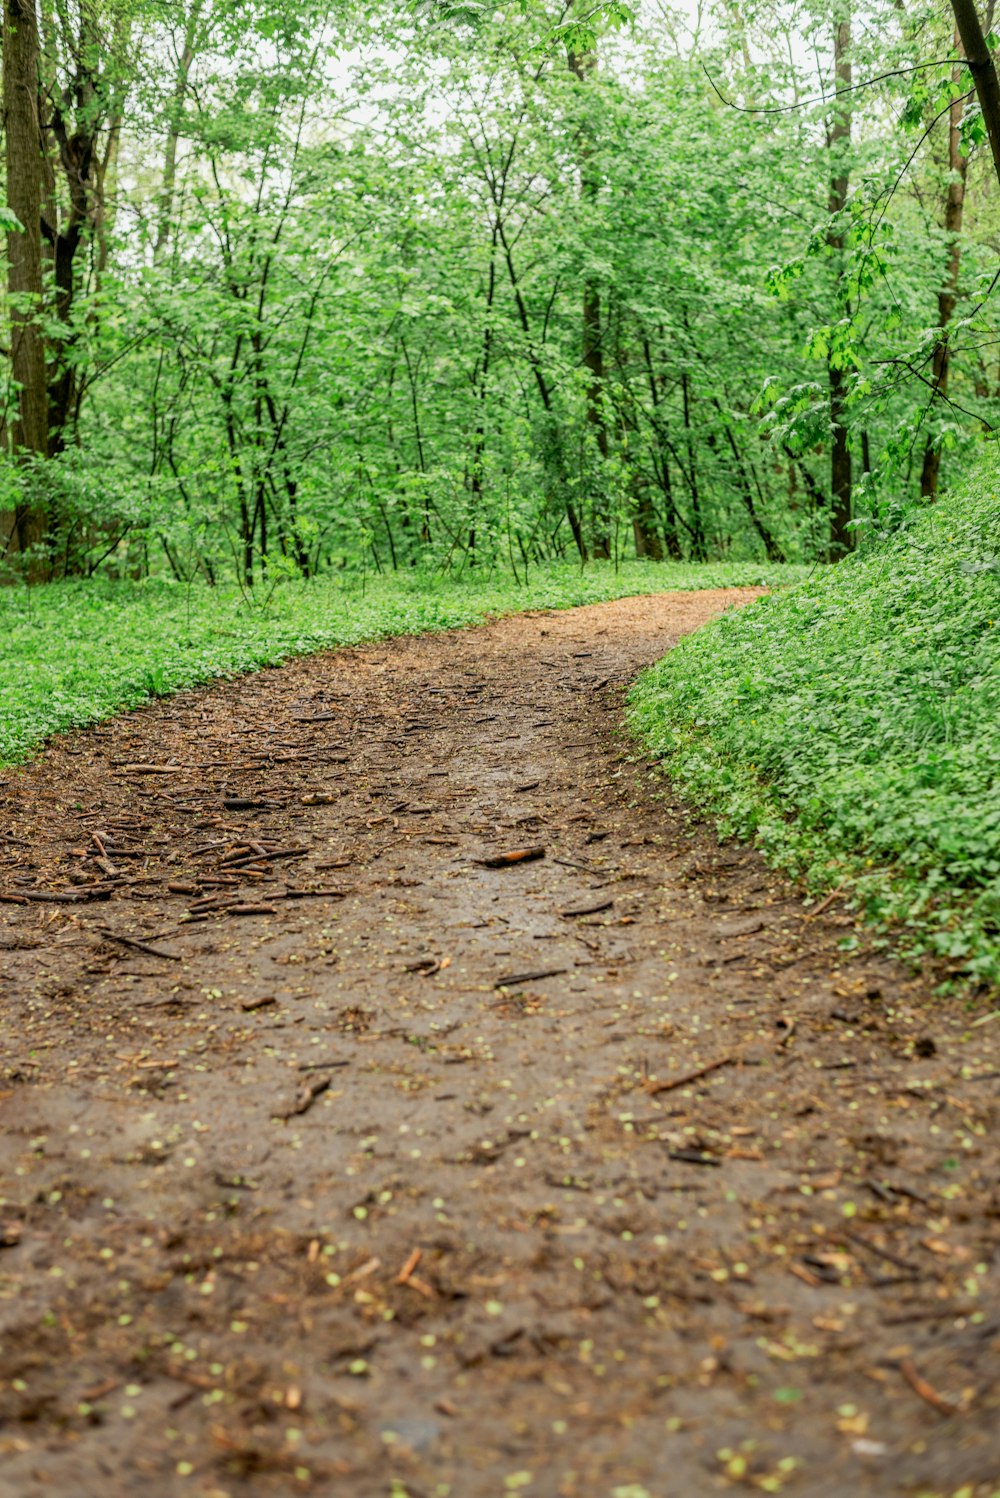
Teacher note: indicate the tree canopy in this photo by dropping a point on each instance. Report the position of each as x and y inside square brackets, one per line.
[290, 287]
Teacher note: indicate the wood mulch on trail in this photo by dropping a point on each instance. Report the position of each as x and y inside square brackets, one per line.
[345, 1152]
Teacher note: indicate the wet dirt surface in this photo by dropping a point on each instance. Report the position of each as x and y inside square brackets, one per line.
[606, 1173]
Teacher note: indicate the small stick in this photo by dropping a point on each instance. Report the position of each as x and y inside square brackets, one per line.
[670, 1083]
[104, 862]
[137, 946]
[513, 979]
[152, 769]
[409, 1266]
[59, 897]
[313, 894]
[928, 1394]
[880, 1253]
[834, 894]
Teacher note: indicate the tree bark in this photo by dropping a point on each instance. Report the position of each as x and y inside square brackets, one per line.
[28, 431]
[644, 531]
[948, 295]
[839, 140]
[543, 387]
[699, 550]
[185, 58]
[983, 69]
[583, 66]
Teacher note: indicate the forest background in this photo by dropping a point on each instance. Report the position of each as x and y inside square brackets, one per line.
[293, 287]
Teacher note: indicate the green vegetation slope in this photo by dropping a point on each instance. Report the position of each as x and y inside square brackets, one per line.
[852, 725]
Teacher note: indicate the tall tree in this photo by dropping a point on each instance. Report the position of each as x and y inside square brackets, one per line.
[583, 66]
[839, 142]
[983, 69]
[28, 430]
[958, 167]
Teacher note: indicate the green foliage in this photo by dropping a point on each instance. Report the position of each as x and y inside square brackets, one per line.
[328, 300]
[77, 652]
[852, 725]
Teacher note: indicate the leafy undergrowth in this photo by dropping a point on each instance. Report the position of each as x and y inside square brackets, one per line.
[76, 652]
[851, 724]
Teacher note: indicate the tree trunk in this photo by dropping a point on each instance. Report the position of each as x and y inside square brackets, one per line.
[772, 548]
[583, 65]
[699, 551]
[948, 295]
[983, 70]
[184, 61]
[543, 389]
[647, 538]
[28, 431]
[481, 385]
[839, 140]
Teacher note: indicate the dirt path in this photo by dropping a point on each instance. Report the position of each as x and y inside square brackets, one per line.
[430, 1187]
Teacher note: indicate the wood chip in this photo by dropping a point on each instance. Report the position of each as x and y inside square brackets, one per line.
[593, 909]
[517, 855]
[307, 1095]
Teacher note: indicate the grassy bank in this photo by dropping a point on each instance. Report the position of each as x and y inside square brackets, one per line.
[852, 725]
[73, 653]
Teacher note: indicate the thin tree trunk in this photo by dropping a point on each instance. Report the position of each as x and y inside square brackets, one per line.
[839, 140]
[481, 383]
[583, 65]
[28, 433]
[647, 538]
[948, 295]
[543, 388]
[772, 548]
[699, 552]
[661, 463]
[169, 182]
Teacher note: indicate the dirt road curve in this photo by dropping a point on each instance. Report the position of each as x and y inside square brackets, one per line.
[606, 1174]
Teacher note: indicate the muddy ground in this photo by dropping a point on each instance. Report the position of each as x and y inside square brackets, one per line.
[377, 1170]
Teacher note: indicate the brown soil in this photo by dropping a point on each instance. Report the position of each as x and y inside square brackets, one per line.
[693, 1200]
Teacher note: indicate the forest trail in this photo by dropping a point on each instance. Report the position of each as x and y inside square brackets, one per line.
[603, 1174]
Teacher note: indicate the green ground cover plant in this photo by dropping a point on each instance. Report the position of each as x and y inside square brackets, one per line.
[851, 724]
[75, 652]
